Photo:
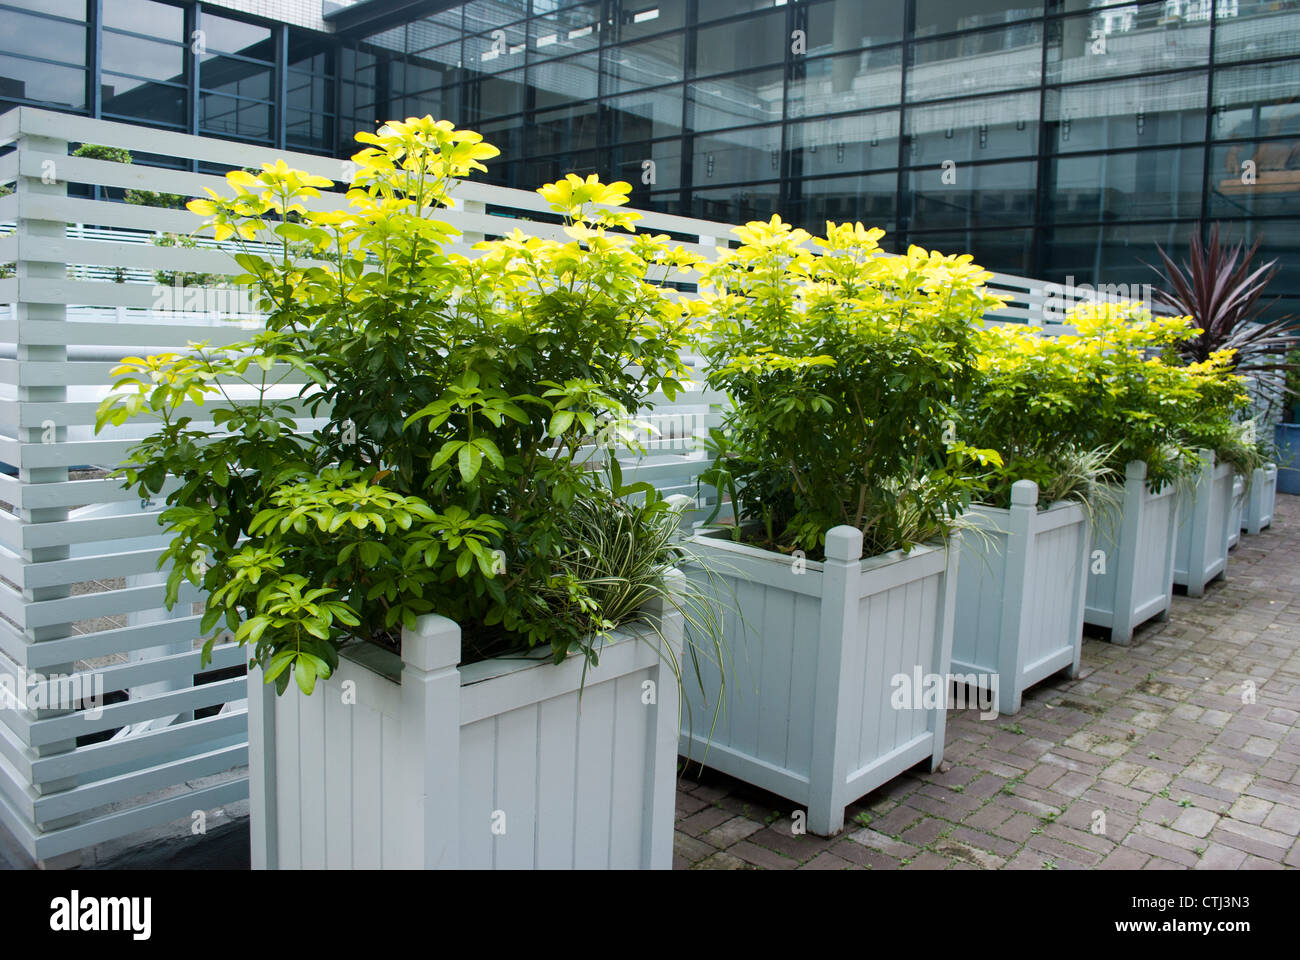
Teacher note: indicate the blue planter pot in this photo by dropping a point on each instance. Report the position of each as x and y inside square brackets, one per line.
[1287, 437]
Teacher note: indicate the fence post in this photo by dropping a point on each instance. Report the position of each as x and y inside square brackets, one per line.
[263, 801]
[46, 431]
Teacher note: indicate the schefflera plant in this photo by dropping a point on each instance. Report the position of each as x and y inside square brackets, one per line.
[459, 395]
[847, 369]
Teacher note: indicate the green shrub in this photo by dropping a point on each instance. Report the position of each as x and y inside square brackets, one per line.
[846, 371]
[461, 397]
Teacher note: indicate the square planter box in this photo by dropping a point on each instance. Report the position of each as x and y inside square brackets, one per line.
[813, 707]
[1260, 499]
[1238, 511]
[1020, 594]
[1287, 437]
[1205, 521]
[1131, 567]
[500, 764]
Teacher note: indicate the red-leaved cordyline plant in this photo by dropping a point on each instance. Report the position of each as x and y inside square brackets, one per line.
[1220, 288]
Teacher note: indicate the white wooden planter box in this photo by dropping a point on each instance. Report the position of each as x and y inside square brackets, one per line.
[809, 710]
[1131, 579]
[1260, 498]
[1020, 594]
[495, 765]
[1205, 521]
[1238, 511]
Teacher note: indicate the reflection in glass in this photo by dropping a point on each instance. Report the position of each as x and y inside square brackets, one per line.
[1150, 184]
[741, 45]
[976, 196]
[947, 16]
[644, 116]
[976, 63]
[867, 198]
[736, 204]
[645, 64]
[1005, 251]
[733, 101]
[228, 116]
[33, 36]
[571, 30]
[972, 130]
[1255, 178]
[1258, 101]
[564, 81]
[1140, 111]
[143, 58]
[1111, 254]
[848, 25]
[555, 131]
[1256, 30]
[143, 101]
[852, 81]
[224, 35]
[160, 20]
[496, 52]
[737, 156]
[1124, 39]
[495, 96]
[628, 162]
[842, 144]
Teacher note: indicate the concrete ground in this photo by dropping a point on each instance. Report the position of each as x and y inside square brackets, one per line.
[1149, 760]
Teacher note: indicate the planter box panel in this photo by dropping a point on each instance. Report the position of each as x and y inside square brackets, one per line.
[1287, 437]
[813, 650]
[501, 766]
[1238, 511]
[1205, 520]
[1137, 543]
[1020, 594]
[1260, 499]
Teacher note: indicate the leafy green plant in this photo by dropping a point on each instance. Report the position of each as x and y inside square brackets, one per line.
[846, 371]
[461, 398]
[182, 278]
[143, 198]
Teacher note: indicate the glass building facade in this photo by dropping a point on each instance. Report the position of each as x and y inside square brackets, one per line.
[1050, 138]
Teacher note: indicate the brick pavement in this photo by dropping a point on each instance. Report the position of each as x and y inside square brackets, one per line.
[1153, 737]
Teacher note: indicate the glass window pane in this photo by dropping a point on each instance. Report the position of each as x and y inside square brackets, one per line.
[871, 199]
[43, 82]
[1137, 112]
[645, 64]
[1111, 254]
[736, 204]
[948, 16]
[648, 115]
[73, 9]
[441, 103]
[236, 118]
[717, 9]
[160, 20]
[1256, 178]
[490, 96]
[628, 162]
[572, 29]
[640, 18]
[741, 44]
[564, 81]
[977, 196]
[223, 35]
[849, 82]
[549, 169]
[974, 130]
[33, 36]
[861, 142]
[1149, 185]
[1256, 30]
[1124, 39]
[850, 24]
[738, 156]
[497, 51]
[736, 101]
[1003, 251]
[144, 101]
[310, 52]
[1259, 101]
[308, 130]
[144, 58]
[434, 31]
[976, 62]
[235, 77]
[484, 15]
[555, 131]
